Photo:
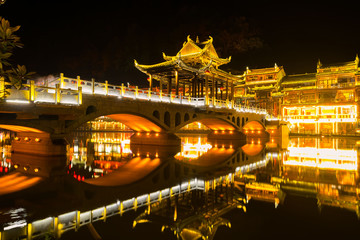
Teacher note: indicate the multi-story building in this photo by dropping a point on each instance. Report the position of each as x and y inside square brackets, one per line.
[324, 102]
[260, 88]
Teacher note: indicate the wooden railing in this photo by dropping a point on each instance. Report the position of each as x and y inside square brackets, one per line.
[65, 90]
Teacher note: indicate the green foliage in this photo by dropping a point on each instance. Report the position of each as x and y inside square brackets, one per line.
[8, 42]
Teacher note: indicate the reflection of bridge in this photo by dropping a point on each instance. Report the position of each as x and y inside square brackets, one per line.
[67, 103]
[132, 192]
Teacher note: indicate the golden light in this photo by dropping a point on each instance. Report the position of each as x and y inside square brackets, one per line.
[215, 131]
[231, 132]
[16, 166]
[16, 139]
[37, 139]
[148, 134]
[138, 134]
[36, 170]
[324, 158]
[26, 139]
[156, 134]
[223, 131]
[26, 168]
[259, 131]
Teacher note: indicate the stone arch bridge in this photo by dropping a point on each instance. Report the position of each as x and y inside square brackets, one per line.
[48, 114]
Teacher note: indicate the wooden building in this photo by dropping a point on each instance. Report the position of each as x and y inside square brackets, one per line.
[194, 71]
[325, 102]
[261, 88]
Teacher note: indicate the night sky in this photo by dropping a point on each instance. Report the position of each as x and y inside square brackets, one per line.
[101, 39]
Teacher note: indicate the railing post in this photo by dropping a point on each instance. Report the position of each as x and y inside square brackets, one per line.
[180, 96]
[56, 229]
[121, 208]
[136, 91]
[160, 94]
[79, 95]
[77, 221]
[135, 204]
[106, 87]
[104, 213]
[32, 90]
[2, 88]
[57, 93]
[93, 85]
[122, 90]
[149, 94]
[61, 80]
[78, 81]
[170, 96]
[29, 230]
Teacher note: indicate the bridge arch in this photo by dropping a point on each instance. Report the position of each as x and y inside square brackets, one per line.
[151, 122]
[26, 127]
[254, 125]
[213, 123]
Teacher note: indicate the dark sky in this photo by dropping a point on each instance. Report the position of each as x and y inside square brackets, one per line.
[101, 38]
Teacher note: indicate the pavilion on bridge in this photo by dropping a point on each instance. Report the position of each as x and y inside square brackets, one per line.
[194, 71]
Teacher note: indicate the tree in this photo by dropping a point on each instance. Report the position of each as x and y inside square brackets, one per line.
[18, 74]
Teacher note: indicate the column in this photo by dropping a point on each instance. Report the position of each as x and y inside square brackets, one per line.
[227, 90]
[177, 83]
[206, 90]
[232, 94]
[216, 90]
[169, 86]
[150, 82]
[213, 90]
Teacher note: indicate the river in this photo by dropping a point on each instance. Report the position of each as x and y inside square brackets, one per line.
[256, 188]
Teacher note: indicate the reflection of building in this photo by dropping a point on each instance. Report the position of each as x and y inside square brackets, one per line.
[324, 168]
[192, 148]
[104, 124]
[196, 214]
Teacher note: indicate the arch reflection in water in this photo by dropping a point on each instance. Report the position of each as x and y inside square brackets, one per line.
[249, 173]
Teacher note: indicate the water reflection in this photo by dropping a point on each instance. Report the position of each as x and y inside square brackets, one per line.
[104, 167]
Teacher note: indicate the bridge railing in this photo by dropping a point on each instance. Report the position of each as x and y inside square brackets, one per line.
[65, 90]
[42, 94]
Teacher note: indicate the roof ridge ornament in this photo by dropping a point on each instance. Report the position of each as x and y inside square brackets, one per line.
[319, 64]
[189, 39]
